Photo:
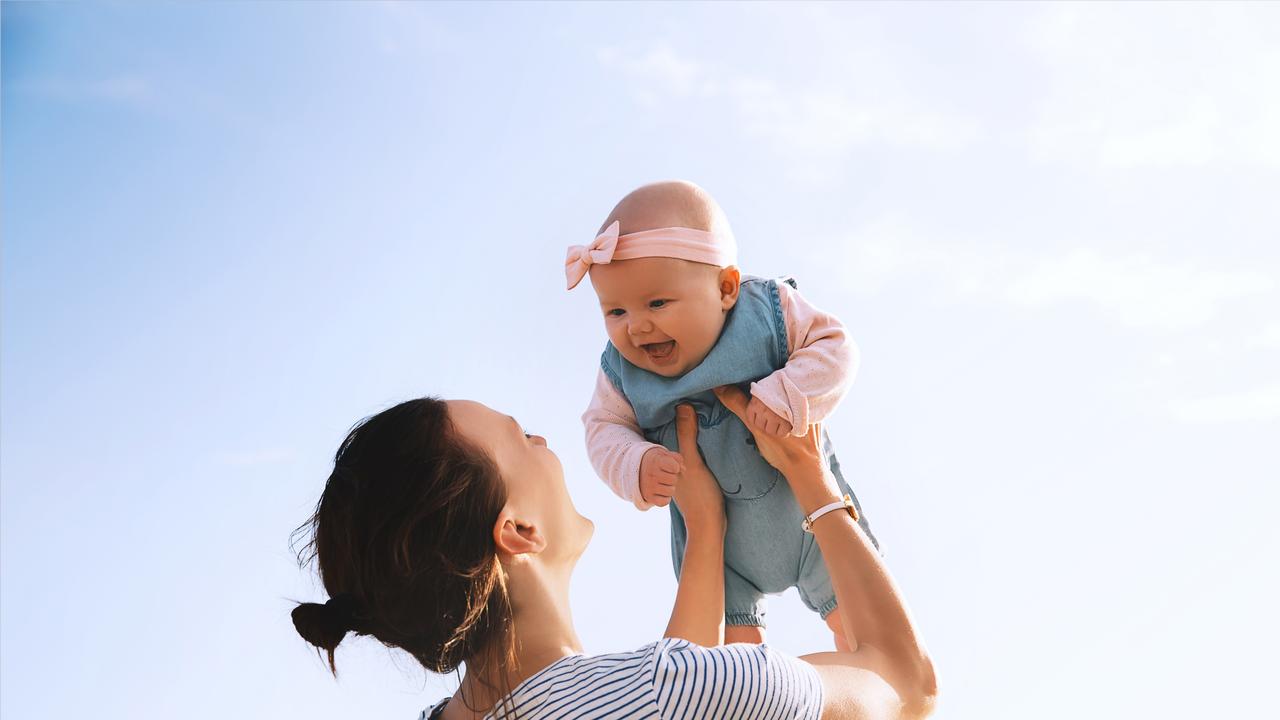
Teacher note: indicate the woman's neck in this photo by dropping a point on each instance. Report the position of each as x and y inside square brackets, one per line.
[543, 627]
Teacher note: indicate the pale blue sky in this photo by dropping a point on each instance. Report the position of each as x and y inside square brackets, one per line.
[232, 230]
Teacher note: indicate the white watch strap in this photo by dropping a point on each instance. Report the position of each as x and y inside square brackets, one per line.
[845, 503]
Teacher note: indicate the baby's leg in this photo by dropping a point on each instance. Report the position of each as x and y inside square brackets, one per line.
[833, 622]
[753, 634]
[744, 608]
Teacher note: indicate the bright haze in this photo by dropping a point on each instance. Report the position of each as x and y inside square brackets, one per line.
[232, 230]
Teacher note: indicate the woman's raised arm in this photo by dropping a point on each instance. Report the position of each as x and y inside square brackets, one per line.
[698, 614]
[889, 674]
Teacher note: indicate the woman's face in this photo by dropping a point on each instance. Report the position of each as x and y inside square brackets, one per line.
[536, 490]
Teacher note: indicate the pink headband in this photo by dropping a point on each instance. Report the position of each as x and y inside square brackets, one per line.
[674, 242]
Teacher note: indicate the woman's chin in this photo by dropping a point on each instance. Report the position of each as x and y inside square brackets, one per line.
[586, 530]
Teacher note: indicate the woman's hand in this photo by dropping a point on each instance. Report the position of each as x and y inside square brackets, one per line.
[697, 494]
[799, 459]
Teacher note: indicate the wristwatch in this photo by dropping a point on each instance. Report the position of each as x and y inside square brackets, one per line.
[844, 504]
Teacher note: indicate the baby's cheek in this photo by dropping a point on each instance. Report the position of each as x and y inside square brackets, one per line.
[616, 336]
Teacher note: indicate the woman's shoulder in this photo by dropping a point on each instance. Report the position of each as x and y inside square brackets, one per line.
[671, 678]
[576, 681]
[741, 680]
[435, 711]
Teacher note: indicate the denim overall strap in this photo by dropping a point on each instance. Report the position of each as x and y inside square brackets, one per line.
[752, 344]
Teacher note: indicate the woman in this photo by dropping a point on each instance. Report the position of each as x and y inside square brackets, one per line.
[447, 531]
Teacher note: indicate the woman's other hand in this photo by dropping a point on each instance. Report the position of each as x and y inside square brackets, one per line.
[799, 459]
[786, 453]
[697, 494]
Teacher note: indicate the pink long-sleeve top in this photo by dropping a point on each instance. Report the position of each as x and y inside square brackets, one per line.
[821, 365]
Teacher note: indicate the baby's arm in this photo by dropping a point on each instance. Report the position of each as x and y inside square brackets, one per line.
[639, 471]
[820, 368]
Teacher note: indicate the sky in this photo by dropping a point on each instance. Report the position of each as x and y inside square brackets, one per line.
[230, 231]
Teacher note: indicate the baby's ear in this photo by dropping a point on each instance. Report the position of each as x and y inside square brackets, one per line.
[730, 281]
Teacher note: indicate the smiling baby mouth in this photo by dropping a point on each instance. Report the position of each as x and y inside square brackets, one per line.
[659, 351]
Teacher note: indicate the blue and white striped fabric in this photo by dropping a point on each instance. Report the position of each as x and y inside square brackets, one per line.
[667, 680]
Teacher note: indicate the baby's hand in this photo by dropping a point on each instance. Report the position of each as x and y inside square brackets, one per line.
[659, 470]
[766, 420]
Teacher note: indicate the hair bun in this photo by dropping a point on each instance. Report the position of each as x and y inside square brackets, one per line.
[325, 625]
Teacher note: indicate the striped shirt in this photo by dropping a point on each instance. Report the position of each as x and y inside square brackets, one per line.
[667, 680]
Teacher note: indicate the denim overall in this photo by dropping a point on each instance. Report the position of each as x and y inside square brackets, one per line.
[766, 550]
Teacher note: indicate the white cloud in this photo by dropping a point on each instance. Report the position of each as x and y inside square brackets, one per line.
[890, 249]
[1169, 85]
[1267, 338]
[661, 70]
[1261, 404]
[815, 118]
[410, 28]
[827, 120]
[1134, 290]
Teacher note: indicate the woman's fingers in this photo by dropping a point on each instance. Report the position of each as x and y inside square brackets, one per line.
[733, 398]
[687, 433]
[697, 493]
[778, 447]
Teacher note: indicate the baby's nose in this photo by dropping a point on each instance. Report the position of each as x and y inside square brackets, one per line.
[639, 327]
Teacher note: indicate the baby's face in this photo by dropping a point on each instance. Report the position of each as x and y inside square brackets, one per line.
[664, 315]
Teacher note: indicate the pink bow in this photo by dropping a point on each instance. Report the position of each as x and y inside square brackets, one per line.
[582, 257]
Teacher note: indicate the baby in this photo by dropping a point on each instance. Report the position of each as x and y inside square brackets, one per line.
[681, 320]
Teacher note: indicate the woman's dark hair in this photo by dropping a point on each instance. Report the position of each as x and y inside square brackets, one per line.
[403, 537]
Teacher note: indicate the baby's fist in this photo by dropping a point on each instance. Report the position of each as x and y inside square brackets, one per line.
[765, 420]
[659, 470]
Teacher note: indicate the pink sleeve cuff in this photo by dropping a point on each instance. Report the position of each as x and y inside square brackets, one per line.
[780, 394]
[629, 470]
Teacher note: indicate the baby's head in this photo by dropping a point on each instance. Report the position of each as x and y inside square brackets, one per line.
[667, 285]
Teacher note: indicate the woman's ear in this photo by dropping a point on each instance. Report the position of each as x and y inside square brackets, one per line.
[514, 536]
[730, 282]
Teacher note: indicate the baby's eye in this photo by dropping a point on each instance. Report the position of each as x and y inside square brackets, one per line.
[657, 303]
[616, 312]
